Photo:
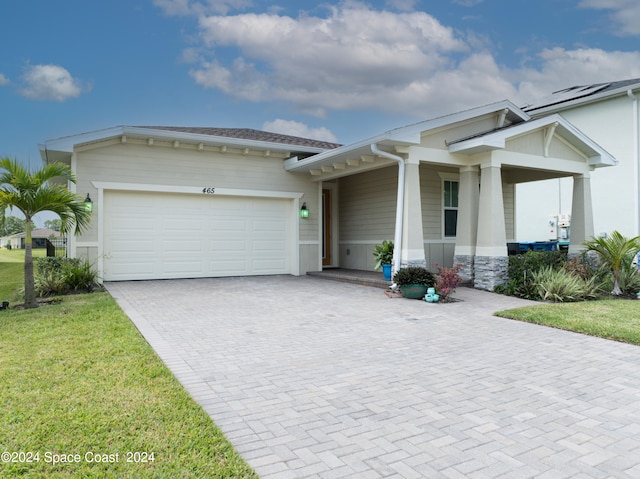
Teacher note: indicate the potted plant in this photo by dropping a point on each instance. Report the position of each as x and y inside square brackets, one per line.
[414, 281]
[383, 254]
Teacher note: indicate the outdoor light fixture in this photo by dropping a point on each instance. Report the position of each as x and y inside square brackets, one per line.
[304, 212]
[88, 204]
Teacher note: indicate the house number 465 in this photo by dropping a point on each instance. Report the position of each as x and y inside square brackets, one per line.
[208, 190]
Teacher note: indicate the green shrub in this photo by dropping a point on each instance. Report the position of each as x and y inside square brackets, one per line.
[414, 275]
[57, 276]
[581, 266]
[55, 264]
[559, 285]
[628, 281]
[50, 283]
[383, 253]
[80, 276]
[523, 266]
[617, 253]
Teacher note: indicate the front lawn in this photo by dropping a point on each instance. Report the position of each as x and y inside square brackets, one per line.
[80, 386]
[617, 319]
[12, 272]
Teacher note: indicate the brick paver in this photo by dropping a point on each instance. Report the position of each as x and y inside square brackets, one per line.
[314, 378]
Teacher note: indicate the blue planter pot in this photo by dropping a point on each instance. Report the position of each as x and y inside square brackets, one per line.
[386, 270]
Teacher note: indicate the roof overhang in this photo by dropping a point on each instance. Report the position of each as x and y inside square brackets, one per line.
[67, 145]
[339, 160]
[552, 124]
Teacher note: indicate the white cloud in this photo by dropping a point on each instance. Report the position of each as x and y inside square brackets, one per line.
[351, 59]
[625, 14]
[50, 82]
[3, 80]
[295, 128]
[357, 58]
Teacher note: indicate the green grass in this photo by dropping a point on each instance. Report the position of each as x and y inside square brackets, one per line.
[617, 319]
[77, 378]
[12, 272]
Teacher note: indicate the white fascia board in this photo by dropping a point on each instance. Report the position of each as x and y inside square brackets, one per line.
[406, 135]
[68, 143]
[462, 116]
[597, 156]
[330, 156]
[208, 139]
[480, 143]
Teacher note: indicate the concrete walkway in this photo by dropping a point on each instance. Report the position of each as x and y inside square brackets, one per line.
[314, 378]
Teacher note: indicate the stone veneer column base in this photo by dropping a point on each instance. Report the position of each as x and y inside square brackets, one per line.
[466, 271]
[490, 271]
[414, 262]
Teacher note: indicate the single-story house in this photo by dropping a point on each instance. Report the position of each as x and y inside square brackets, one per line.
[173, 202]
[609, 114]
[39, 238]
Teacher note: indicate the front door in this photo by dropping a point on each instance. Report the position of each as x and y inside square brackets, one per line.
[326, 227]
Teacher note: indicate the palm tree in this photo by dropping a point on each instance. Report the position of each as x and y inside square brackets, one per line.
[617, 252]
[34, 192]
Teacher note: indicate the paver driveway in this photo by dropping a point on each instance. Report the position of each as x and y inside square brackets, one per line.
[314, 378]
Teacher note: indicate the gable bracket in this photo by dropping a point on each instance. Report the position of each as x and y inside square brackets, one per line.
[548, 136]
[501, 118]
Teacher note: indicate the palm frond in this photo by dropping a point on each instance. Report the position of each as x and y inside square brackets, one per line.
[616, 251]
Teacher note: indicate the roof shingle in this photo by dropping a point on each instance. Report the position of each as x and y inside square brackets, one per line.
[249, 134]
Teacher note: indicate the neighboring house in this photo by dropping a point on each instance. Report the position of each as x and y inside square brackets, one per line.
[39, 238]
[204, 202]
[608, 114]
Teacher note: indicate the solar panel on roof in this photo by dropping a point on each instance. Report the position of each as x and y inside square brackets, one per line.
[568, 94]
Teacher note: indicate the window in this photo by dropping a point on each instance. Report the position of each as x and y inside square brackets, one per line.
[450, 188]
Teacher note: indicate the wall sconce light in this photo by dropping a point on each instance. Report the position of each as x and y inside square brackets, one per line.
[304, 212]
[88, 203]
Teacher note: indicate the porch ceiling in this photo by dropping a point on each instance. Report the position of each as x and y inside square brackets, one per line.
[515, 175]
[347, 162]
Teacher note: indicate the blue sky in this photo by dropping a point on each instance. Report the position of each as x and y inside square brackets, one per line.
[335, 70]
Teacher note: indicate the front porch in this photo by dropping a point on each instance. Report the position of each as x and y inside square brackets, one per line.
[353, 276]
[444, 190]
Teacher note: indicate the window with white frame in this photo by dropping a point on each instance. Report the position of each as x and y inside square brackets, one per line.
[450, 203]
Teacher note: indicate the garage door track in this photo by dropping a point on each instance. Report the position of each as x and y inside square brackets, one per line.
[314, 378]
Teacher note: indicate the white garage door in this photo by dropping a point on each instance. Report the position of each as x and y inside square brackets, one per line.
[162, 235]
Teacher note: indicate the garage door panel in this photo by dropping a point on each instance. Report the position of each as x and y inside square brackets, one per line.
[219, 228]
[267, 265]
[141, 246]
[269, 247]
[139, 269]
[157, 235]
[182, 245]
[222, 249]
[182, 226]
[134, 224]
[268, 226]
[182, 267]
[227, 265]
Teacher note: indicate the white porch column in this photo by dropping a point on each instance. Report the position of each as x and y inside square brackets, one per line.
[581, 213]
[491, 261]
[467, 227]
[412, 253]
